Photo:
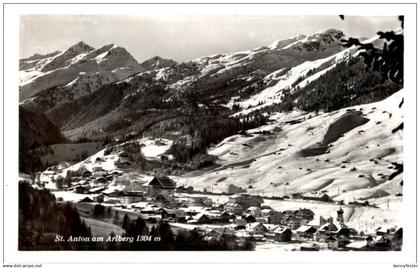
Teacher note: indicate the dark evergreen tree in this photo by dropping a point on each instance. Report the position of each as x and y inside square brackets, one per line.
[389, 60]
[126, 223]
[99, 211]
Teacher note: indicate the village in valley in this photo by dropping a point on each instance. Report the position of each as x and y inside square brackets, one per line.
[103, 199]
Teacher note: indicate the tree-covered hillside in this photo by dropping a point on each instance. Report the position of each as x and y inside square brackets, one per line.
[348, 84]
[41, 218]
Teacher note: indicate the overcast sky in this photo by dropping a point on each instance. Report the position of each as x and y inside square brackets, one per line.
[181, 37]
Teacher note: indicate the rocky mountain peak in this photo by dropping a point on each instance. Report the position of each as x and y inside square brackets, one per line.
[327, 36]
[61, 60]
[320, 43]
[80, 47]
[118, 51]
[157, 62]
[118, 57]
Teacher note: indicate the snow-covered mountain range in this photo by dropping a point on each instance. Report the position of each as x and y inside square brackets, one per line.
[81, 69]
[244, 119]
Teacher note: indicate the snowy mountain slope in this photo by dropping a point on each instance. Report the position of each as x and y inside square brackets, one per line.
[357, 165]
[30, 62]
[309, 70]
[220, 77]
[80, 60]
[279, 44]
[297, 77]
[72, 55]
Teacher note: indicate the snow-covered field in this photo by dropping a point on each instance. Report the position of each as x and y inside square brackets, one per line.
[155, 147]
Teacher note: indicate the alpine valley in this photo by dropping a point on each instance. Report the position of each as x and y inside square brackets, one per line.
[301, 123]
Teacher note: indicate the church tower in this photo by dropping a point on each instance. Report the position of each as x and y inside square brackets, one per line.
[340, 216]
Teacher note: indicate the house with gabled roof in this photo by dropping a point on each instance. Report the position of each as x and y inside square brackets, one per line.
[201, 201]
[200, 218]
[86, 174]
[328, 227]
[271, 227]
[361, 245]
[342, 235]
[239, 223]
[315, 196]
[325, 231]
[165, 199]
[86, 200]
[226, 216]
[272, 216]
[99, 198]
[246, 200]
[213, 234]
[249, 218]
[161, 184]
[96, 190]
[254, 211]
[266, 212]
[256, 228]
[283, 234]
[306, 231]
[80, 189]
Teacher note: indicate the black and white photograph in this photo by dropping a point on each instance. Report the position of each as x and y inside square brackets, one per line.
[212, 132]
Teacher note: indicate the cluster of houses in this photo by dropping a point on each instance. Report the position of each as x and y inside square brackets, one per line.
[92, 182]
[243, 217]
[316, 234]
[159, 190]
